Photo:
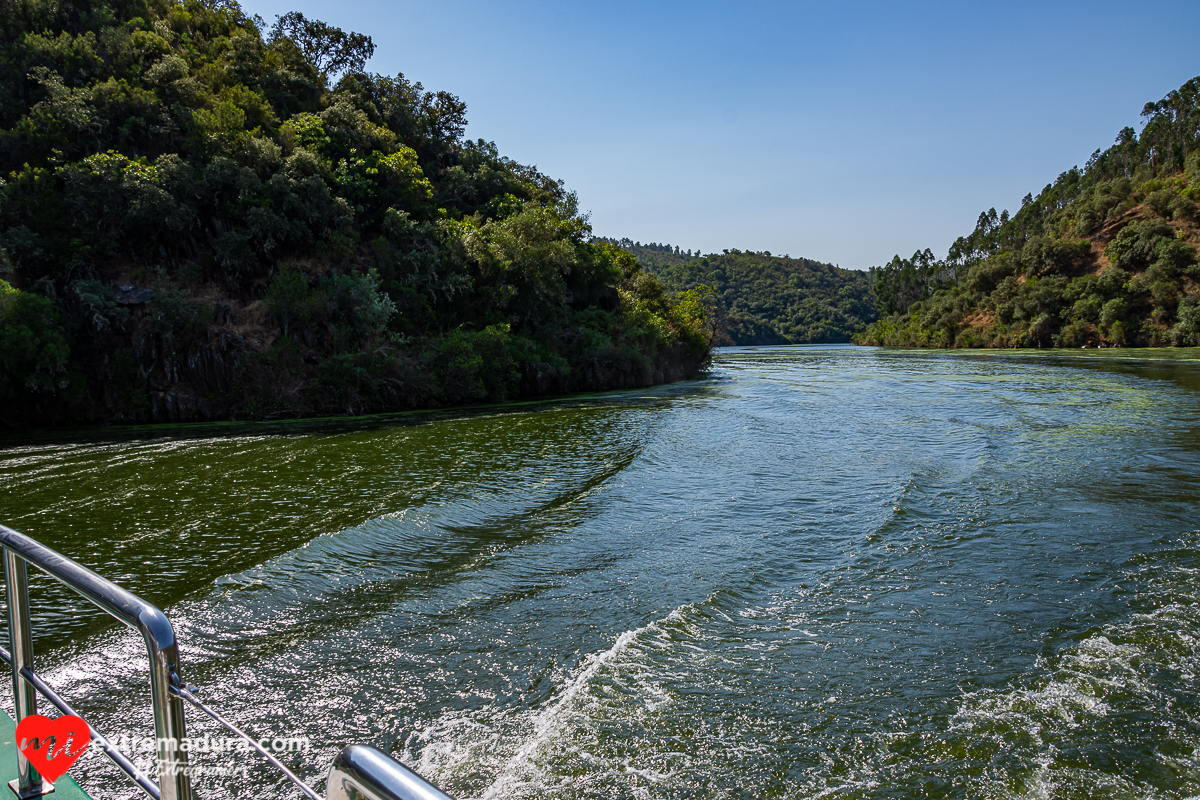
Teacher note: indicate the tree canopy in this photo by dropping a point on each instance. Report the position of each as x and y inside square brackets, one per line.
[198, 220]
[331, 50]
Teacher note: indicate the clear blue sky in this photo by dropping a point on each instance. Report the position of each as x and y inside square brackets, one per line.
[844, 132]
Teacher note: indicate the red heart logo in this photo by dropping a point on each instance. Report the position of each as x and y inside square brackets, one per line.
[35, 735]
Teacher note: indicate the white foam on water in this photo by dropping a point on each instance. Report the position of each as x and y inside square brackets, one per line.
[507, 746]
[549, 722]
[1080, 699]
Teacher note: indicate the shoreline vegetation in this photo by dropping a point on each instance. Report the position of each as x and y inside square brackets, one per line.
[203, 217]
[206, 217]
[1103, 257]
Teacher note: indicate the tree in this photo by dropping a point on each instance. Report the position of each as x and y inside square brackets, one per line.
[331, 49]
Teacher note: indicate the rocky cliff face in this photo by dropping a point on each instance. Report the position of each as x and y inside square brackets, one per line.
[142, 367]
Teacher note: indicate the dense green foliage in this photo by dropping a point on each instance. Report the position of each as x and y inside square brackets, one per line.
[295, 235]
[1104, 256]
[654, 256]
[766, 299]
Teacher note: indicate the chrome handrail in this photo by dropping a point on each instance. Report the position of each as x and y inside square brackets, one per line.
[127, 608]
[361, 772]
[120, 759]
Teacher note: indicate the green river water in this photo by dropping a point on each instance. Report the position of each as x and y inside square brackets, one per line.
[815, 572]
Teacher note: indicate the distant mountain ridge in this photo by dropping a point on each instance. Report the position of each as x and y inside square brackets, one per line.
[653, 255]
[764, 298]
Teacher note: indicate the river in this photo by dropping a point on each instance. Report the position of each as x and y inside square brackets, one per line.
[815, 572]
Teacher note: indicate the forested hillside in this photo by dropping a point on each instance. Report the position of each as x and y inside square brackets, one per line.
[202, 216]
[1104, 256]
[654, 256]
[766, 299]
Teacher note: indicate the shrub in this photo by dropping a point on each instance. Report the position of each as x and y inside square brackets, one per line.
[356, 305]
[97, 307]
[1078, 334]
[177, 321]
[292, 300]
[1186, 332]
[477, 365]
[1050, 256]
[987, 274]
[1182, 208]
[33, 348]
[1133, 249]
[1160, 201]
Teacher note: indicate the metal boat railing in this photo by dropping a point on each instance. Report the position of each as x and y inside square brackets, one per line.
[363, 773]
[358, 773]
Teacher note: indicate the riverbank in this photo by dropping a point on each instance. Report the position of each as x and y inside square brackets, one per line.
[128, 372]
